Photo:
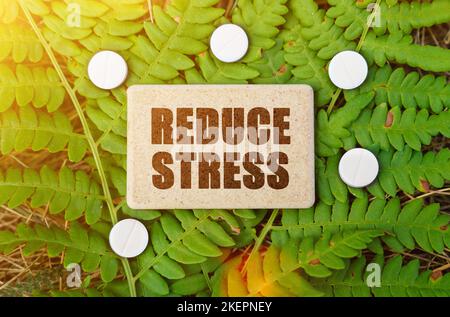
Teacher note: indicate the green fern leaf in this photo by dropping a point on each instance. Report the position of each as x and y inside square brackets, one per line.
[26, 85]
[272, 67]
[214, 71]
[73, 192]
[190, 238]
[408, 90]
[396, 281]
[20, 43]
[172, 41]
[329, 186]
[79, 245]
[385, 127]
[331, 130]
[109, 116]
[318, 259]
[398, 48]
[307, 67]
[403, 17]
[323, 35]
[261, 21]
[38, 131]
[406, 170]
[409, 226]
[409, 170]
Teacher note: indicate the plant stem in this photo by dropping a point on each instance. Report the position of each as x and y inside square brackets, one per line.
[261, 237]
[129, 276]
[87, 132]
[358, 48]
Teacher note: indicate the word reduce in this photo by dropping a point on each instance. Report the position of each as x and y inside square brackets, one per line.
[192, 134]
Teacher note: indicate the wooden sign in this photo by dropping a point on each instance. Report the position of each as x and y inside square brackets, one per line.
[220, 146]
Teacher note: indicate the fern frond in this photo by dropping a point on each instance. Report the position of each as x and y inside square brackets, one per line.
[71, 191]
[319, 258]
[193, 282]
[272, 67]
[261, 20]
[20, 43]
[324, 36]
[101, 22]
[37, 130]
[408, 90]
[409, 170]
[405, 170]
[403, 17]
[329, 186]
[331, 130]
[169, 278]
[36, 85]
[109, 116]
[408, 226]
[214, 71]
[307, 67]
[397, 280]
[400, 49]
[393, 127]
[178, 32]
[185, 237]
[78, 244]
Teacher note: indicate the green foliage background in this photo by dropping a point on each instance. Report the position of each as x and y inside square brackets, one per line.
[63, 146]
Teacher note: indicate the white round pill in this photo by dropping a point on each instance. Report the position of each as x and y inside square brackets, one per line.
[128, 238]
[347, 69]
[107, 70]
[229, 43]
[358, 167]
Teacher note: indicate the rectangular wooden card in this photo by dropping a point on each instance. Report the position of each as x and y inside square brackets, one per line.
[220, 146]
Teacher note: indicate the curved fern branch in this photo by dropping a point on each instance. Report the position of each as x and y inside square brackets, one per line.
[175, 34]
[38, 131]
[330, 131]
[408, 90]
[109, 116]
[272, 67]
[399, 48]
[405, 170]
[409, 170]
[261, 20]
[403, 17]
[26, 85]
[393, 127]
[78, 245]
[73, 192]
[191, 238]
[396, 281]
[20, 43]
[307, 67]
[214, 71]
[323, 35]
[410, 225]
